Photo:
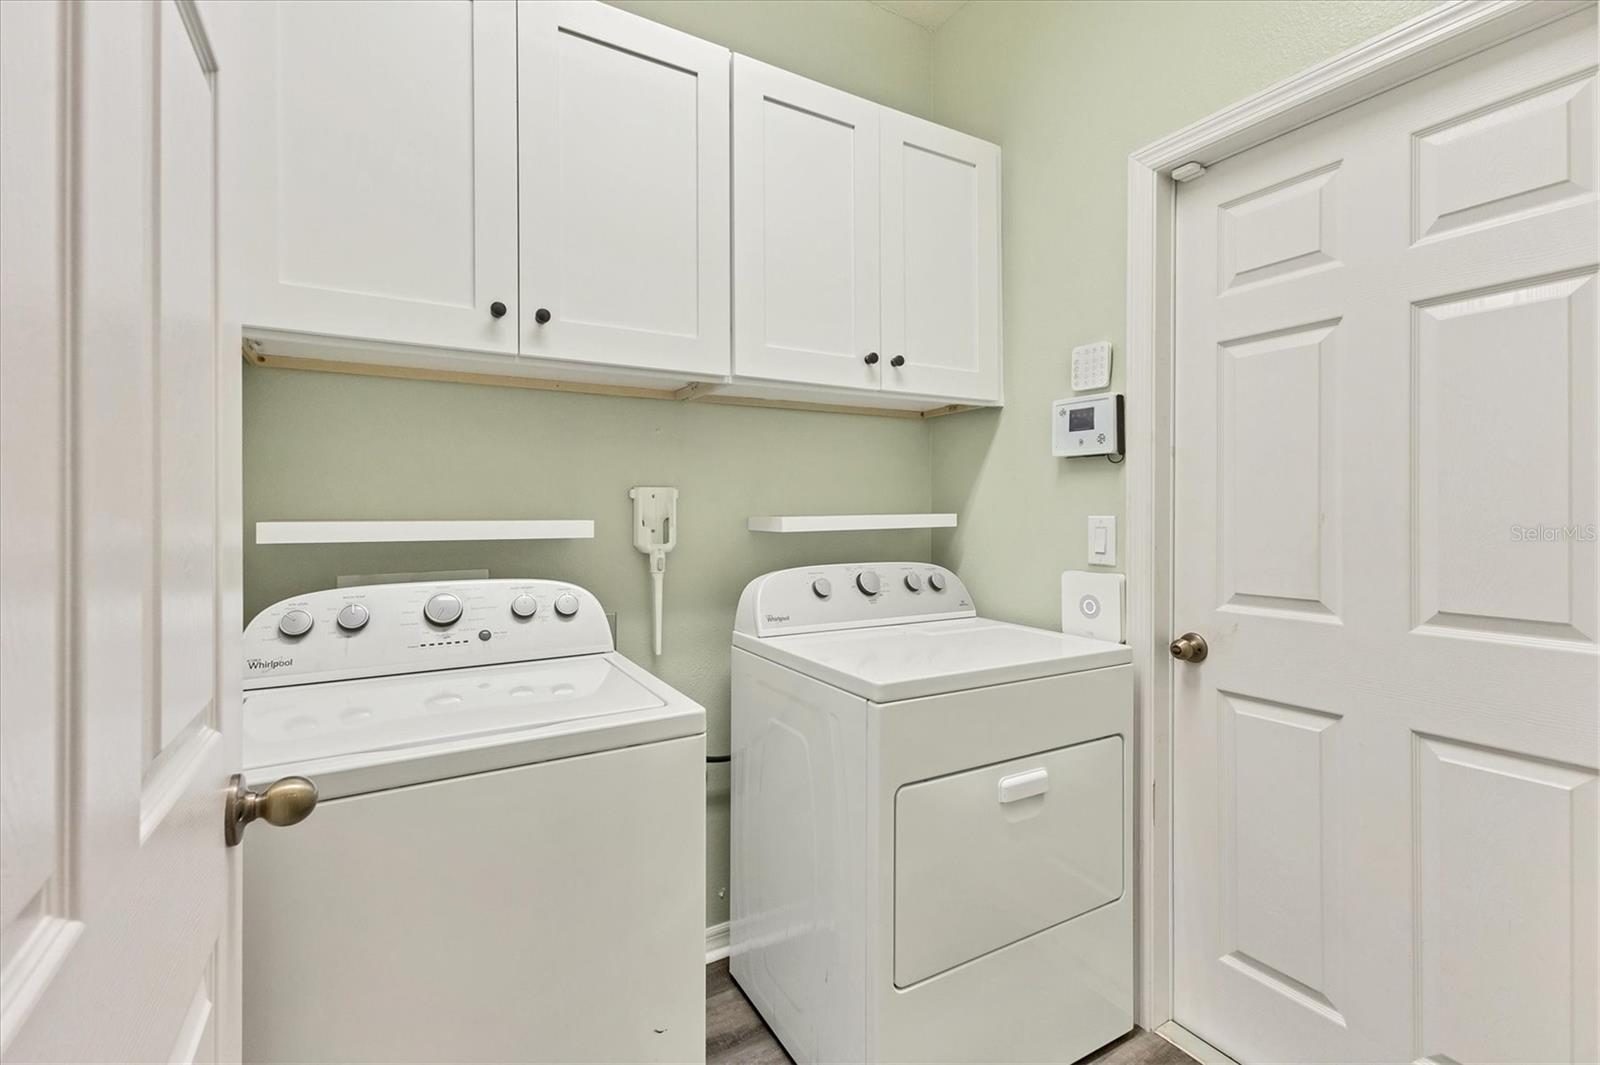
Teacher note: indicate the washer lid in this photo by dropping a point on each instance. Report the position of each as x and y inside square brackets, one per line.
[363, 735]
[910, 661]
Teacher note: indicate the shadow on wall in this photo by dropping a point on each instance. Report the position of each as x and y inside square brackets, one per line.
[961, 452]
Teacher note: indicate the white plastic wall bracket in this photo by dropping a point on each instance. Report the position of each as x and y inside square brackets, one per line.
[655, 532]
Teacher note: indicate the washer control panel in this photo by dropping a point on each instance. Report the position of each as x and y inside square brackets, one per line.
[850, 595]
[384, 629]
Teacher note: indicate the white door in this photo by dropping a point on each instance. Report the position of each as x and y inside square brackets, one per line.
[382, 185]
[941, 261]
[624, 179]
[805, 225]
[1385, 796]
[119, 563]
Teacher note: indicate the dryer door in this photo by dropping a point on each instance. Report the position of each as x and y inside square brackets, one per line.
[989, 856]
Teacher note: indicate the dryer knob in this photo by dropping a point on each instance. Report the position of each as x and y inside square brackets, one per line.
[913, 583]
[294, 623]
[353, 617]
[443, 609]
[936, 581]
[524, 606]
[868, 582]
[566, 604]
[822, 587]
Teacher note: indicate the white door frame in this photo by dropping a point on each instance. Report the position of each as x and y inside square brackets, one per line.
[1433, 39]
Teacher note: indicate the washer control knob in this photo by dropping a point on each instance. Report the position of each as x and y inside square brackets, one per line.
[936, 581]
[524, 606]
[566, 604]
[913, 583]
[823, 587]
[443, 609]
[868, 582]
[294, 623]
[353, 617]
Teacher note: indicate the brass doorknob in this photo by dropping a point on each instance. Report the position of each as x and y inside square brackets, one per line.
[283, 803]
[1190, 647]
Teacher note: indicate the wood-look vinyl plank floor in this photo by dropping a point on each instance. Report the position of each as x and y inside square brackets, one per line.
[736, 1034]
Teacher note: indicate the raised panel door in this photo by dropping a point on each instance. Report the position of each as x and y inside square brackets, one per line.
[119, 574]
[1386, 790]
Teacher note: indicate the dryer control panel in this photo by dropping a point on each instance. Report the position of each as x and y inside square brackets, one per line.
[380, 630]
[850, 595]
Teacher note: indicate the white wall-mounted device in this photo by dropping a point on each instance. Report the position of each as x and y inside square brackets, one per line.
[1093, 604]
[655, 532]
[1091, 366]
[1087, 425]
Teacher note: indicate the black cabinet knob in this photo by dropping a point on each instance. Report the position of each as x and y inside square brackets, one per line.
[898, 360]
[541, 316]
[872, 358]
[497, 309]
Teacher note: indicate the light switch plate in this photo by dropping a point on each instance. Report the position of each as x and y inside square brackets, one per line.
[1102, 539]
[1093, 604]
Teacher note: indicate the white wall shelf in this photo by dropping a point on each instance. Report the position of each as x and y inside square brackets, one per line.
[397, 532]
[794, 523]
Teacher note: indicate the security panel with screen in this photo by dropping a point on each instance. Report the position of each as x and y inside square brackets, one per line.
[1087, 425]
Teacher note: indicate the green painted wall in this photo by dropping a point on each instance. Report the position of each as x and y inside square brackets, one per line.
[1069, 90]
[336, 446]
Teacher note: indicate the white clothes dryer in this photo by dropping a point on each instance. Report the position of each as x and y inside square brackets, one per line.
[932, 836]
[508, 859]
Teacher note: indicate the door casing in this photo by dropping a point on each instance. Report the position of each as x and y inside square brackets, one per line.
[1416, 47]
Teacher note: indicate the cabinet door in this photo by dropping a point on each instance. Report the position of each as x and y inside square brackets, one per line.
[378, 193]
[624, 164]
[941, 261]
[805, 224]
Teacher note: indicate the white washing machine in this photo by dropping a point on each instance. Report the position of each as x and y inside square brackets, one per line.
[932, 834]
[508, 859]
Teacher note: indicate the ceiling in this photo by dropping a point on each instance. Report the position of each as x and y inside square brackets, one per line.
[927, 13]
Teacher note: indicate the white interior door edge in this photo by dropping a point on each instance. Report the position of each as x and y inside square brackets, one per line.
[1433, 39]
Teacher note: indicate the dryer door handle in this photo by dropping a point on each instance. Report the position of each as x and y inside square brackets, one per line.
[1024, 785]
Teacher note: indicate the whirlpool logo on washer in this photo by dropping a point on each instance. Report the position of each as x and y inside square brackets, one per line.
[777, 619]
[256, 664]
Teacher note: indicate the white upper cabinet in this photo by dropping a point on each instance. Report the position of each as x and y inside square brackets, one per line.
[377, 168]
[866, 246]
[559, 189]
[805, 225]
[624, 190]
[941, 261]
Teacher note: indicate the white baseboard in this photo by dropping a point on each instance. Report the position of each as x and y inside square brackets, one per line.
[716, 942]
[1192, 1045]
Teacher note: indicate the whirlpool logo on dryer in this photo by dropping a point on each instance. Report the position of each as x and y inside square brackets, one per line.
[777, 619]
[267, 663]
